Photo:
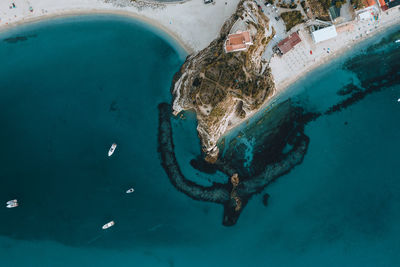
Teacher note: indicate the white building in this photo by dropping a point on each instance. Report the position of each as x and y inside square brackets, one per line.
[324, 34]
[367, 15]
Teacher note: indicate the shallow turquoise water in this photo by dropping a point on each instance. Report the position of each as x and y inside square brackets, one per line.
[79, 84]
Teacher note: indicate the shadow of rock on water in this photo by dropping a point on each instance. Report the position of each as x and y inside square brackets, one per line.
[372, 79]
[277, 141]
[284, 126]
[17, 39]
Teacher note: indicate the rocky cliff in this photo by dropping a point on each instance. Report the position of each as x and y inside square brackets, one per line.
[222, 88]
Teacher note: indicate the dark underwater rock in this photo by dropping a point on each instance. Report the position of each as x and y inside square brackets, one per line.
[200, 164]
[13, 40]
[265, 199]
[234, 196]
[348, 89]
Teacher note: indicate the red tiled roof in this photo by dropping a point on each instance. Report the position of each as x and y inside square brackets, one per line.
[371, 2]
[237, 41]
[246, 36]
[289, 42]
[383, 5]
[230, 48]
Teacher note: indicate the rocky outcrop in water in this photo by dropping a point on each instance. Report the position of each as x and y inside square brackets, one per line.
[222, 88]
[236, 192]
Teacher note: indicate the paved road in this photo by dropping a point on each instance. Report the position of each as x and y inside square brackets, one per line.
[280, 29]
[345, 12]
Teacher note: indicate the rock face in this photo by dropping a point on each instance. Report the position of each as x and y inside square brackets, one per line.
[222, 88]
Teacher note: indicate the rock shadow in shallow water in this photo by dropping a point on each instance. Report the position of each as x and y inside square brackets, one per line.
[372, 79]
[17, 39]
[233, 197]
[278, 138]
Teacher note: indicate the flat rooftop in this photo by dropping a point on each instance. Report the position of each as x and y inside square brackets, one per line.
[324, 34]
[289, 42]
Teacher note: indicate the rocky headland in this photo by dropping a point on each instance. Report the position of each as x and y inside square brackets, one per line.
[223, 88]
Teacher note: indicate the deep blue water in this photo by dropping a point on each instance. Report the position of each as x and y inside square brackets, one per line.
[76, 85]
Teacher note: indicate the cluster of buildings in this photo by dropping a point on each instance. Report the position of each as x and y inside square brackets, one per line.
[241, 40]
[370, 12]
[386, 4]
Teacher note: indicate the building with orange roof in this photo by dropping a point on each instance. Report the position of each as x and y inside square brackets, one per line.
[383, 5]
[370, 3]
[288, 43]
[239, 41]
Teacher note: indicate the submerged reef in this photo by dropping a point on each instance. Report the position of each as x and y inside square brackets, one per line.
[383, 54]
[16, 39]
[270, 162]
[275, 143]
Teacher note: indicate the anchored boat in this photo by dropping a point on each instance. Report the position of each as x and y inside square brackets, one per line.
[112, 149]
[130, 190]
[11, 201]
[12, 205]
[108, 225]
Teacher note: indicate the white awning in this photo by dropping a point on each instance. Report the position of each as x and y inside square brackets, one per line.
[365, 15]
[324, 34]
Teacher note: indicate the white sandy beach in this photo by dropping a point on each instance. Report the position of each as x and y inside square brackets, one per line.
[192, 23]
[298, 62]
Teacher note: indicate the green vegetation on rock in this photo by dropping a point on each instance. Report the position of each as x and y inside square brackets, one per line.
[292, 18]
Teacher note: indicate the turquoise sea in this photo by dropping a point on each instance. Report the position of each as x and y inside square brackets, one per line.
[71, 87]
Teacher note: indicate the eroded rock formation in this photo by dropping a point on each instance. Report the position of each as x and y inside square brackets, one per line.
[222, 88]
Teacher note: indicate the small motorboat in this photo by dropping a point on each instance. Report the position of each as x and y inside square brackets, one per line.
[12, 205]
[112, 149]
[398, 100]
[11, 201]
[397, 41]
[130, 190]
[108, 225]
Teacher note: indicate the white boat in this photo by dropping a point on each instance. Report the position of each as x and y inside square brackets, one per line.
[108, 225]
[11, 201]
[112, 149]
[12, 205]
[397, 41]
[130, 190]
[398, 100]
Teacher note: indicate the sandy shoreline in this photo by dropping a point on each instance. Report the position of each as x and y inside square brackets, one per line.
[77, 13]
[279, 64]
[328, 50]
[191, 23]
[284, 85]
